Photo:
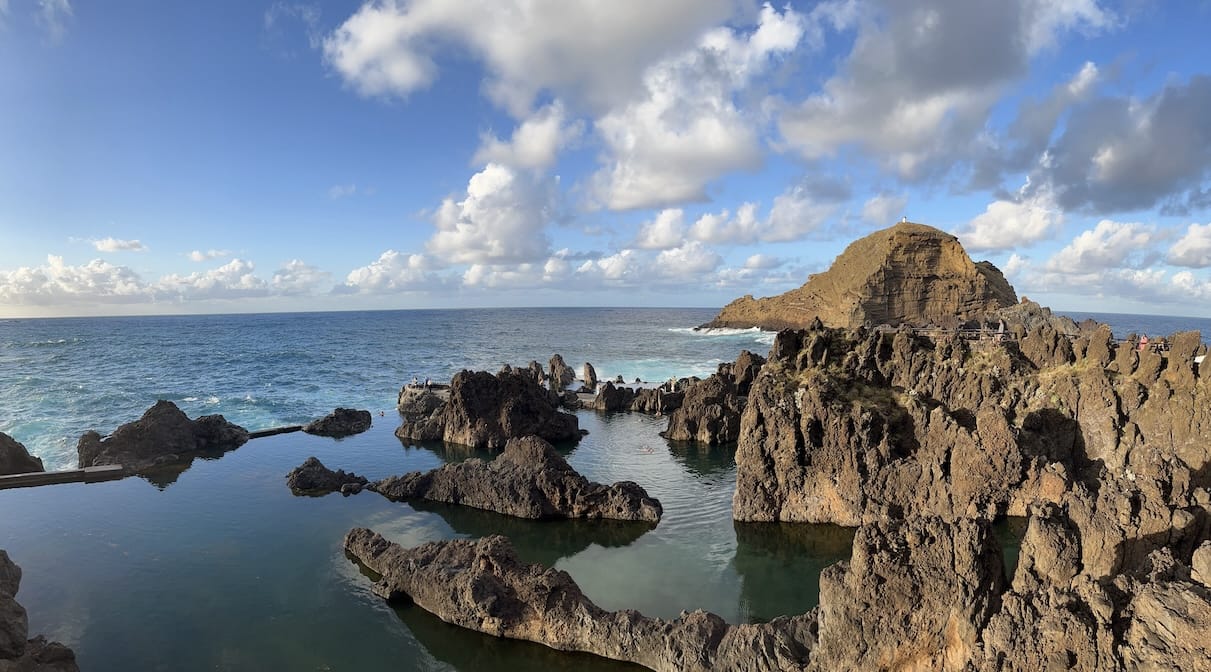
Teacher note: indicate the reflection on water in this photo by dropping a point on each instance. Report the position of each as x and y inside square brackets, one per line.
[537, 541]
[703, 460]
[768, 554]
[228, 570]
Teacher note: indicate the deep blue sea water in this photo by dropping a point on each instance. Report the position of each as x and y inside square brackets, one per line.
[62, 377]
[224, 569]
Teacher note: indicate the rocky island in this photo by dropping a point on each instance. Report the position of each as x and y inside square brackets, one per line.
[906, 274]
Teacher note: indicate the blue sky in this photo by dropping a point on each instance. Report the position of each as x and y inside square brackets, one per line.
[262, 156]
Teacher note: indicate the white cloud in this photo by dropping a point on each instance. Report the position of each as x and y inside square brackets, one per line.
[742, 229]
[1107, 246]
[1193, 249]
[1006, 224]
[296, 277]
[762, 262]
[1016, 265]
[200, 256]
[665, 231]
[625, 267]
[501, 219]
[339, 191]
[392, 272]
[795, 214]
[883, 209]
[115, 245]
[535, 143]
[232, 280]
[917, 88]
[57, 283]
[53, 16]
[688, 262]
[687, 130]
[589, 53]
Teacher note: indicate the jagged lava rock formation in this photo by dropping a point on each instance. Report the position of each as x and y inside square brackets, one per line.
[845, 425]
[485, 411]
[163, 436]
[15, 459]
[528, 480]
[905, 274]
[480, 584]
[314, 479]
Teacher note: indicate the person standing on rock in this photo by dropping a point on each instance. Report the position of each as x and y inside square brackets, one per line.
[1143, 343]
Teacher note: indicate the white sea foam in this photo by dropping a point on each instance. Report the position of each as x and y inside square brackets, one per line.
[190, 399]
[212, 400]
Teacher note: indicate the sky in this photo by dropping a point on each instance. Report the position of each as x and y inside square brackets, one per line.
[244, 156]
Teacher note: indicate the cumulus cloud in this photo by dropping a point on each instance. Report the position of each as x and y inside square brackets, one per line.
[800, 211]
[592, 53]
[687, 262]
[391, 272]
[918, 85]
[502, 218]
[882, 209]
[763, 262]
[535, 143]
[116, 245]
[58, 283]
[687, 130]
[296, 277]
[666, 230]
[1006, 224]
[1123, 153]
[200, 256]
[233, 280]
[1027, 136]
[1193, 249]
[1106, 246]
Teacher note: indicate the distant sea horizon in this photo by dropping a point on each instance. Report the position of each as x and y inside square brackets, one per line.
[62, 376]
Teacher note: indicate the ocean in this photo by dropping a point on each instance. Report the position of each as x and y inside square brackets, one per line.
[224, 569]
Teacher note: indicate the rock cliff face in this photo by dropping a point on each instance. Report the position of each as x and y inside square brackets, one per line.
[528, 480]
[15, 459]
[481, 585]
[915, 595]
[163, 436]
[561, 374]
[485, 411]
[710, 413]
[844, 426]
[906, 274]
[18, 654]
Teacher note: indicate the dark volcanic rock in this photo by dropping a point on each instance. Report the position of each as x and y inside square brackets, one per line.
[709, 414]
[15, 459]
[656, 401]
[416, 402]
[340, 423]
[17, 654]
[485, 411]
[590, 376]
[528, 480]
[163, 436]
[847, 425]
[561, 374]
[905, 274]
[313, 478]
[610, 398]
[481, 585]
